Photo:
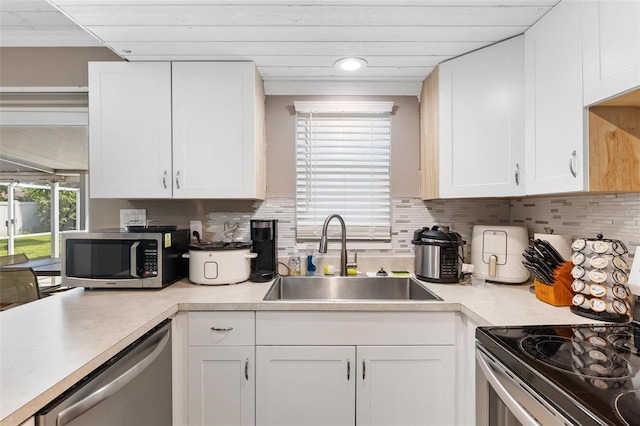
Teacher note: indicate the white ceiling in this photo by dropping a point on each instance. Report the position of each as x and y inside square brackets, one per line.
[294, 43]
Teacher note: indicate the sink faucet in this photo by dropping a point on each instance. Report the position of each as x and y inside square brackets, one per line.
[344, 265]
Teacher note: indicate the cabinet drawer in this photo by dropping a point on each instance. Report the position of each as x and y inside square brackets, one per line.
[221, 328]
[355, 328]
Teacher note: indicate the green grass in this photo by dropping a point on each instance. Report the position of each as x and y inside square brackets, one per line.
[34, 247]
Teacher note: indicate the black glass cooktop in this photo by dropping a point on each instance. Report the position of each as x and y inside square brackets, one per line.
[589, 373]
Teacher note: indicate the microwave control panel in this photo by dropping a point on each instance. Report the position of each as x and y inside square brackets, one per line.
[149, 258]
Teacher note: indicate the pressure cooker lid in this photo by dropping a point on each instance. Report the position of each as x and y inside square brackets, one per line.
[435, 234]
[219, 246]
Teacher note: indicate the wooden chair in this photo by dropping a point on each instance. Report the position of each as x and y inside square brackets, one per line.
[13, 259]
[17, 286]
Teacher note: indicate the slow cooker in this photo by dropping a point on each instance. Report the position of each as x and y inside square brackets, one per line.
[438, 254]
[219, 263]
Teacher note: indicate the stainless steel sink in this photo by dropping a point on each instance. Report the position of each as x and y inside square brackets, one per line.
[348, 288]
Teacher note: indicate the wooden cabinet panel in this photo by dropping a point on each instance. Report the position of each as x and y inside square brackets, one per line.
[614, 149]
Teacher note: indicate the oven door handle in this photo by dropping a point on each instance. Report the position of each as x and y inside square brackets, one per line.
[516, 409]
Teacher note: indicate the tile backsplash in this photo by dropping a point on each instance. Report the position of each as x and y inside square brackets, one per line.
[408, 214]
[615, 216]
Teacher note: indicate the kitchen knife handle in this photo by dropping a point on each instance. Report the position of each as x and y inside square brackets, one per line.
[572, 160]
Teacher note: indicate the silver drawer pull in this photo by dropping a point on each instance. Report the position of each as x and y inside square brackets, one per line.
[221, 328]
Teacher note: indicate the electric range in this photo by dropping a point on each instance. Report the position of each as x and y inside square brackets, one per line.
[590, 374]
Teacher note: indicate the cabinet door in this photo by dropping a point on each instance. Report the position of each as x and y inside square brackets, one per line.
[129, 130]
[214, 146]
[221, 385]
[406, 385]
[481, 98]
[305, 385]
[554, 114]
[611, 48]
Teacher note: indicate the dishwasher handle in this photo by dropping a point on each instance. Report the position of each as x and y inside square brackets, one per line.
[516, 409]
[72, 412]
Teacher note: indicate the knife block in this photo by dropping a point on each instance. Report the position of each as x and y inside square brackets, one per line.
[558, 294]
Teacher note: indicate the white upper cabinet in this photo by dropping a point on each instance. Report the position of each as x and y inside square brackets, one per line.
[176, 130]
[481, 123]
[130, 130]
[611, 49]
[218, 144]
[554, 123]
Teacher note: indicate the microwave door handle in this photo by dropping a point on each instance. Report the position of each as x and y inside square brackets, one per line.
[516, 409]
[85, 404]
[133, 258]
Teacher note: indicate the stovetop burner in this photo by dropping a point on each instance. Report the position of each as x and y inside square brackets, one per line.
[586, 371]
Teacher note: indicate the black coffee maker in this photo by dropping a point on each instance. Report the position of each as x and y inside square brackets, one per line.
[264, 237]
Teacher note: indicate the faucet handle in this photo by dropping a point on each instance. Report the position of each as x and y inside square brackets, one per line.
[354, 264]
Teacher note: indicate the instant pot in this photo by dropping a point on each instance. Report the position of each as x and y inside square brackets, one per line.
[438, 254]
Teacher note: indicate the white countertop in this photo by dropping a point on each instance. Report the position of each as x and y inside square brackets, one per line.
[48, 345]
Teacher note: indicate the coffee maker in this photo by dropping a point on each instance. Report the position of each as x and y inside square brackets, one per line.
[264, 237]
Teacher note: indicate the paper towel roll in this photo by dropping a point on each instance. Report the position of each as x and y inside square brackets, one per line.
[562, 243]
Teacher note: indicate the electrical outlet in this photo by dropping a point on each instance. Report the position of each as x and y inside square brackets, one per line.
[195, 226]
[132, 217]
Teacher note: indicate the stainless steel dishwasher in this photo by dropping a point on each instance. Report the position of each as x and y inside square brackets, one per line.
[131, 389]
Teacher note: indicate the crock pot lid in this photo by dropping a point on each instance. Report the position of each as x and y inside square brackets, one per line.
[219, 245]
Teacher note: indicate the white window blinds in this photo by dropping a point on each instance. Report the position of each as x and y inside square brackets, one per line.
[342, 166]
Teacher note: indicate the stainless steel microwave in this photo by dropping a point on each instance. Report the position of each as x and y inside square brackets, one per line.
[118, 259]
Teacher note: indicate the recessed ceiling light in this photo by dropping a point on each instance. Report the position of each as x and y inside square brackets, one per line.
[350, 64]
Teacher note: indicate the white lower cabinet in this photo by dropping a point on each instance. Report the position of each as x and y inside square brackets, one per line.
[221, 385]
[318, 368]
[221, 369]
[347, 385]
[405, 385]
[355, 368]
[305, 385]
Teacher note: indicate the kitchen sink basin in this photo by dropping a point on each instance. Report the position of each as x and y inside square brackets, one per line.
[348, 288]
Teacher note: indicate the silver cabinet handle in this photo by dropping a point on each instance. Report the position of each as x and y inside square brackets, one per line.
[246, 369]
[164, 179]
[178, 179]
[572, 160]
[221, 328]
[364, 369]
[85, 404]
[517, 174]
[348, 369]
